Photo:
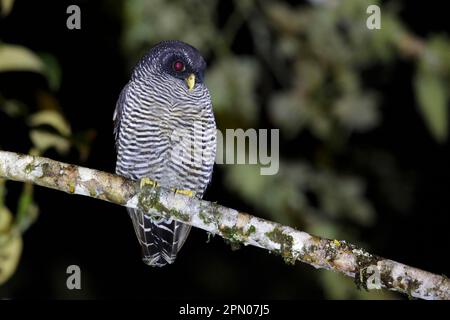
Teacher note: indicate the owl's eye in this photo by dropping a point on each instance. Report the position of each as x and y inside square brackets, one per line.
[178, 66]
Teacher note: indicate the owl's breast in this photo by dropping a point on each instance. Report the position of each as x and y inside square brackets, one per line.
[170, 141]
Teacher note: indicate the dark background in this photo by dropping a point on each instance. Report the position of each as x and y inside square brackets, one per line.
[98, 236]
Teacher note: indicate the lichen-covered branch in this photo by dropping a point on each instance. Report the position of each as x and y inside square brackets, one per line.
[368, 270]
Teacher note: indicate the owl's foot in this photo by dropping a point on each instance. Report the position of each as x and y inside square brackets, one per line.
[148, 182]
[151, 183]
[188, 193]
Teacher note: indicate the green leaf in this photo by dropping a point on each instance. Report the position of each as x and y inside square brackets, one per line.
[51, 118]
[432, 97]
[5, 220]
[52, 70]
[13, 108]
[6, 7]
[27, 209]
[10, 246]
[43, 140]
[18, 58]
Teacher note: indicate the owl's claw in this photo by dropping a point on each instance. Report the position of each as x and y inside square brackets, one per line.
[188, 193]
[144, 182]
[148, 182]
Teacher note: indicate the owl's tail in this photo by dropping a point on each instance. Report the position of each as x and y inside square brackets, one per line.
[160, 239]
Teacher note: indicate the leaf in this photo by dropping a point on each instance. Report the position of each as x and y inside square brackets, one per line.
[10, 246]
[432, 97]
[43, 140]
[6, 7]
[27, 209]
[52, 70]
[13, 108]
[5, 219]
[18, 58]
[10, 253]
[51, 118]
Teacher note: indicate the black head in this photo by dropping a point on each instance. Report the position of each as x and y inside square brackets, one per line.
[174, 58]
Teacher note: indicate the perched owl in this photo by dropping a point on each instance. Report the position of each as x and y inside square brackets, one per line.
[165, 130]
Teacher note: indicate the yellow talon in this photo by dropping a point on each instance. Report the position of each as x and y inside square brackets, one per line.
[148, 182]
[336, 243]
[188, 193]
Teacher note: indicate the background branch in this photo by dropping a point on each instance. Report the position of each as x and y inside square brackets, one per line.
[369, 271]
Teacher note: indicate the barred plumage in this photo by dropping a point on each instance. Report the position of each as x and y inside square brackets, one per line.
[166, 132]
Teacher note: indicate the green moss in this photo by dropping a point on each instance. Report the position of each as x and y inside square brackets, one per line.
[285, 241]
[365, 259]
[30, 167]
[412, 286]
[232, 236]
[308, 254]
[205, 218]
[92, 191]
[251, 230]
[236, 236]
[149, 199]
[179, 215]
[331, 251]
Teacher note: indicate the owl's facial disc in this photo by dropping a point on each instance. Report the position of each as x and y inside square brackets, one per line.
[175, 59]
[184, 65]
[181, 61]
[179, 70]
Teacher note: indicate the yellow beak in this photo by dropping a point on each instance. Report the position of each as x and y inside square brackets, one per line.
[190, 81]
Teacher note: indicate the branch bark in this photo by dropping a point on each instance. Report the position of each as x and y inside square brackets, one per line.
[368, 271]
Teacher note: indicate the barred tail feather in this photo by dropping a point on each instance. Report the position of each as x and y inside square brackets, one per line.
[160, 240]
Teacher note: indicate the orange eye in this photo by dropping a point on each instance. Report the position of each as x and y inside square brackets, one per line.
[178, 66]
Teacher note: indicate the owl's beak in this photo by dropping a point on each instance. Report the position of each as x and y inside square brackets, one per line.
[190, 81]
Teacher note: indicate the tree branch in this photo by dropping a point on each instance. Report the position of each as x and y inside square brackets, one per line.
[369, 271]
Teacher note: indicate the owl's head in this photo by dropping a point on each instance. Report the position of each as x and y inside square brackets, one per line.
[173, 59]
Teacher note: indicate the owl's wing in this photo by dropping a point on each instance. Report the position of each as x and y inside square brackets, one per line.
[118, 112]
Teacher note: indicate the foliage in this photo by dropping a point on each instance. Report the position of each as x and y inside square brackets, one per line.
[48, 129]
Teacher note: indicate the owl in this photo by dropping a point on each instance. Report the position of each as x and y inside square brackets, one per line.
[165, 130]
